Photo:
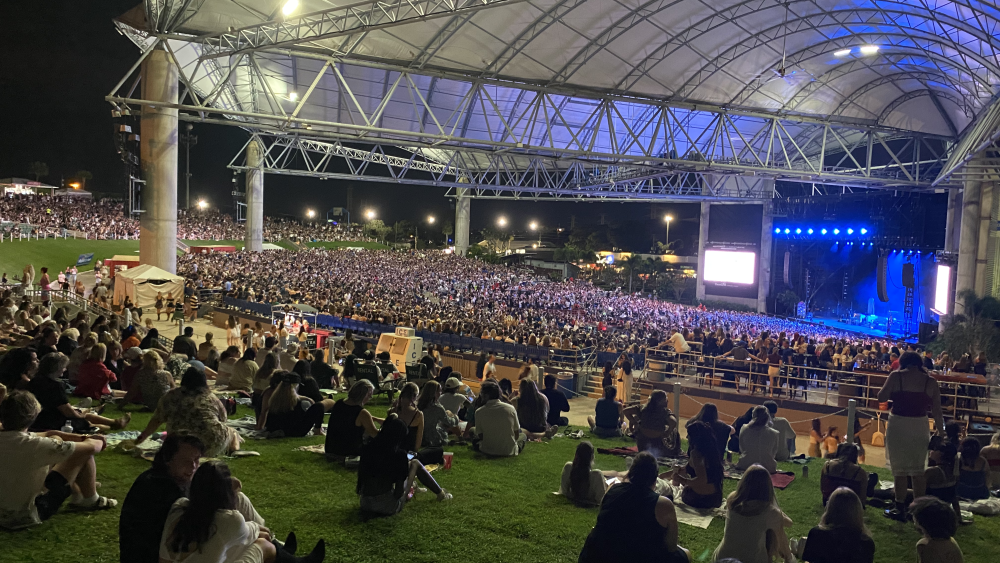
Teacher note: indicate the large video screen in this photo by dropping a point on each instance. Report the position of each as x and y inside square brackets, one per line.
[941, 289]
[725, 266]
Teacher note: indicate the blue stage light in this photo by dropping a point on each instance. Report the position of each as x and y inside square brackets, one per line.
[777, 231]
[823, 231]
[850, 231]
[810, 231]
[798, 231]
[864, 231]
[836, 231]
[787, 231]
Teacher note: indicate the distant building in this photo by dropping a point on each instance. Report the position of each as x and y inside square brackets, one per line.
[23, 186]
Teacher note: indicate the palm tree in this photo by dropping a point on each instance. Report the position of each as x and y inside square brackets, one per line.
[974, 331]
[38, 169]
[83, 176]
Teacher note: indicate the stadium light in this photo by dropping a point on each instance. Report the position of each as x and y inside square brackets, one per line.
[667, 218]
[310, 213]
[202, 204]
[869, 49]
[370, 214]
[289, 7]
[502, 221]
[430, 219]
[533, 226]
[292, 96]
[842, 53]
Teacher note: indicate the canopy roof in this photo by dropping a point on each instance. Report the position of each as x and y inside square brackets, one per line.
[147, 272]
[924, 66]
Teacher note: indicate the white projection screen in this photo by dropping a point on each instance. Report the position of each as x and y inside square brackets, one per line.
[941, 289]
[727, 266]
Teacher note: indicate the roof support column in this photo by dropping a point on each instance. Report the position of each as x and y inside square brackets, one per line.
[706, 208]
[158, 153]
[953, 219]
[965, 278]
[764, 267]
[987, 240]
[254, 224]
[463, 207]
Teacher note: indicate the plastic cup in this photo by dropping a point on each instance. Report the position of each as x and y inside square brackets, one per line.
[447, 459]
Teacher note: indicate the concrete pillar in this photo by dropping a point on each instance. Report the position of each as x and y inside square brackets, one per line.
[965, 278]
[983, 281]
[255, 198]
[463, 206]
[158, 153]
[764, 267]
[702, 239]
[953, 218]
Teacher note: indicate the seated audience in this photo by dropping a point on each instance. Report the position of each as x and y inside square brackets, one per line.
[497, 431]
[938, 524]
[153, 493]
[326, 376]
[702, 477]
[386, 476]
[580, 482]
[406, 409]
[532, 411]
[841, 536]
[655, 426]
[759, 442]
[50, 392]
[992, 455]
[557, 402]
[94, 378]
[844, 472]
[438, 421]
[635, 523]
[206, 347]
[215, 522]
[786, 435]
[609, 414]
[17, 367]
[293, 414]
[151, 382]
[755, 525]
[709, 414]
[350, 423]
[453, 399]
[39, 472]
[185, 345]
[973, 471]
[244, 370]
[192, 408]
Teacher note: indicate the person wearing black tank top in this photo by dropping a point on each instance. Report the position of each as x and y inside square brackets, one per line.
[350, 423]
[913, 393]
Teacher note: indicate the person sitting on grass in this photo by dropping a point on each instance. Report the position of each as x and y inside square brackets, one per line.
[453, 399]
[634, 522]
[153, 493]
[655, 426]
[992, 455]
[759, 442]
[192, 408]
[386, 476]
[938, 524]
[244, 371]
[293, 414]
[532, 411]
[17, 367]
[580, 482]
[557, 402]
[350, 423]
[438, 422]
[216, 523]
[709, 414]
[95, 377]
[497, 431]
[50, 392]
[609, 415]
[151, 382]
[702, 478]
[841, 536]
[39, 472]
[973, 471]
[844, 471]
[755, 525]
[786, 442]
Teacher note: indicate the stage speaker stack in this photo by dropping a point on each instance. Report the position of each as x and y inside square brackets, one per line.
[908, 275]
[926, 332]
[880, 275]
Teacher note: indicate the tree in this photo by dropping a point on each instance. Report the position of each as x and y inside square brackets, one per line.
[673, 284]
[974, 331]
[38, 170]
[497, 241]
[83, 176]
[402, 230]
[377, 229]
[789, 300]
[447, 228]
[570, 253]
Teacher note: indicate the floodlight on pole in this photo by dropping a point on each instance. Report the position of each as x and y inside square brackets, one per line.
[289, 7]
[370, 214]
[293, 96]
[667, 219]
[310, 213]
[202, 204]
[502, 221]
[430, 219]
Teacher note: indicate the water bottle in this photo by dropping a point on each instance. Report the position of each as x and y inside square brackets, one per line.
[628, 463]
[67, 428]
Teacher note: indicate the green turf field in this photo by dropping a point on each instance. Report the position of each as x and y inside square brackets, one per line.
[503, 510]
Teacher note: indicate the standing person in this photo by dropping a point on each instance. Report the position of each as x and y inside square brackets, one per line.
[755, 525]
[936, 521]
[625, 378]
[39, 473]
[759, 442]
[28, 276]
[158, 304]
[490, 368]
[913, 393]
[608, 375]
[815, 438]
[557, 403]
[841, 536]
[43, 284]
[633, 512]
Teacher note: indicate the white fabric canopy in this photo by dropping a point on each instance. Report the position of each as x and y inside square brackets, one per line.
[142, 283]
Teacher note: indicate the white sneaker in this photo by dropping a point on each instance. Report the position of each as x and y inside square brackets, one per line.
[86, 403]
[444, 495]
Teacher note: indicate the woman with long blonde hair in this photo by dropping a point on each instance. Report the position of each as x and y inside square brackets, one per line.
[755, 525]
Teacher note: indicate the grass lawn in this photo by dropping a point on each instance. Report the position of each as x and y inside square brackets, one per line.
[503, 511]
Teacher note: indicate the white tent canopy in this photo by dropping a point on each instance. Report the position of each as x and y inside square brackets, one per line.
[142, 283]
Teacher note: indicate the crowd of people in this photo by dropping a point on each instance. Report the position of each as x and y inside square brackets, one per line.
[107, 219]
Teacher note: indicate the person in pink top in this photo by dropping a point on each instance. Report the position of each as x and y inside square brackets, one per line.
[94, 375]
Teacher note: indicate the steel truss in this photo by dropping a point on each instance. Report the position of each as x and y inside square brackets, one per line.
[497, 175]
[499, 134]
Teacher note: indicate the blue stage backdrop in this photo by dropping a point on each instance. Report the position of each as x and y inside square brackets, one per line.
[924, 274]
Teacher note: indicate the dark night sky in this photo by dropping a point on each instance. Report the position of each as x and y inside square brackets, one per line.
[60, 58]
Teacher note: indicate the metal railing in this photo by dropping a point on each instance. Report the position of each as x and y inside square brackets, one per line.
[963, 395]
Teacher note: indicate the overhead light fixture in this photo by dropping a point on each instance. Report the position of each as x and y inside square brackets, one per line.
[869, 49]
[823, 231]
[864, 231]
[289, 7]
[850, 231]
[842, 53]
[293, 96]
[810, 231]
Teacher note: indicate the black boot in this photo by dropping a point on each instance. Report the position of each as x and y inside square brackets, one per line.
[291, 543]
[286, 556]
[900, 514]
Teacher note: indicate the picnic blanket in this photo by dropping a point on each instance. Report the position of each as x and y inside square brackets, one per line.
[780, 480]
[621, 452]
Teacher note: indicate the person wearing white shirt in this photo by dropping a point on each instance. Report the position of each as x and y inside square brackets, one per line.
[490, 369]
[759, 442]
[786, 441]
[497, 431]
[582, 483]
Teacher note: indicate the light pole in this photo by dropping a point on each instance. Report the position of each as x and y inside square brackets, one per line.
[416, 232]
[667, 219]
[534, 227]
[310, 214]
[202, 204]
[187, 139]
[370, 214]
